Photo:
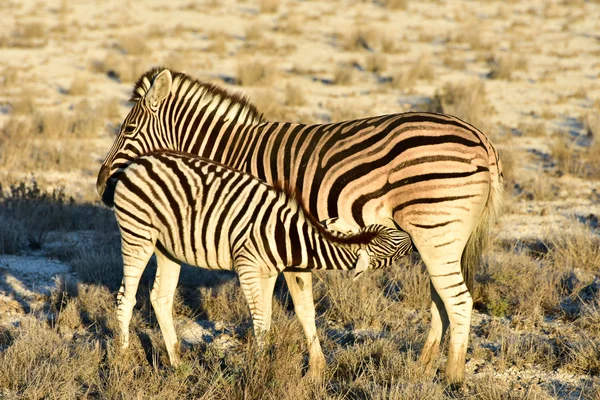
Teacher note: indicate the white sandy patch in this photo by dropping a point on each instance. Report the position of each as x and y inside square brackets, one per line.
[25, 281]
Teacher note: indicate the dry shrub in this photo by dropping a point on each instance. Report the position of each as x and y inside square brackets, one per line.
[452, 62]
[29, 35]
[569, 157]
[514, 282]
[290, 24]
[343, 74]
[365, 39]
[218, 42]
[268, 6]
[50, 140]
[343, 111]
[254, 31]
[536, 129]
[79, 86]
[420, 70]
[576, 249]
[540, 187]
[469, 33]
[502, 66]
[388, 45]
[12, 235]
[25, 104]
[40, 363]
[9, 76]
[294, 96]
[396, 4]
[467, 101]
[124, 68]
[253, 73]
[135, 44]
[376, 63]
[267, 103]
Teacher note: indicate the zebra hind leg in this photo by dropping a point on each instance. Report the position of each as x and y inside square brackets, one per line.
[161, 297]
[300, 287]
[439, 325]
[449, 284]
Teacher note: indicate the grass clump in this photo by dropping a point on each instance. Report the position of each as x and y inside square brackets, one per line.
[503, 66]
[467, 101]
[268, 6]
[294, 96]
[253, 73]
[343, 74]
[376, 63]
[422, 69]
[36, 212]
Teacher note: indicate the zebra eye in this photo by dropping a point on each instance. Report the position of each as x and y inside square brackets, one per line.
[129, 130]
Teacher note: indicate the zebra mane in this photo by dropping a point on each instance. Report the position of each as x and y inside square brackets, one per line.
[364, 237]
[225, 103]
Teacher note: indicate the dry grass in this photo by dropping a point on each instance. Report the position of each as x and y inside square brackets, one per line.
[396, 4]
[124, 68]
[467, 101]
[27, 35]
[422, 69]
[79, 85]
[253, 73]
[574, 159]
[268, 6]
[294, 96]
[135, 44]
[371, 329]
[218, 43]
[343, 74]
[254, 31]
[503, 66]
[368, 38]
[376, 63]
[272, 108]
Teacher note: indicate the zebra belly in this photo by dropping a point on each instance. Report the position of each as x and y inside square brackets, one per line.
[203, 254]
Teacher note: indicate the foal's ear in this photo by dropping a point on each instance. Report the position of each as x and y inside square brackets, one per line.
[362, 264]
[160, 89]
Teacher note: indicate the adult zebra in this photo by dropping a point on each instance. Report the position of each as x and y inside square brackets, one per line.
[435, 176]
[167, 202]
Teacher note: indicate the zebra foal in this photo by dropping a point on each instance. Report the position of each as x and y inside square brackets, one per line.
[188, 209]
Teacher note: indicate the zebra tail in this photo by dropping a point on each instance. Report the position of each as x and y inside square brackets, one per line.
[480, 236]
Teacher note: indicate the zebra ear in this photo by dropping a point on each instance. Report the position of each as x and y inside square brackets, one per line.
[361, 265]
[160, 89]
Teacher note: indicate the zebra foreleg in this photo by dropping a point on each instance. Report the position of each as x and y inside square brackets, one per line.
[300, 287]
[268, 286]
[161, 297]
[251, 282]
[133, 267]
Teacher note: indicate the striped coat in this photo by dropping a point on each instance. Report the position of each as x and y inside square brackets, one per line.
[193, 210]
[436, 177]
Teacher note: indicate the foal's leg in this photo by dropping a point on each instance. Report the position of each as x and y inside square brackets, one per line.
[300, 287]
[161, 297]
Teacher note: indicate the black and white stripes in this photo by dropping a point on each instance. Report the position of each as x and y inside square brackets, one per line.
[435, 176]
[192, 210]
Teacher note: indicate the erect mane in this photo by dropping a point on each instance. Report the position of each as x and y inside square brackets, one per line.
[358, 238]
[234, 103]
